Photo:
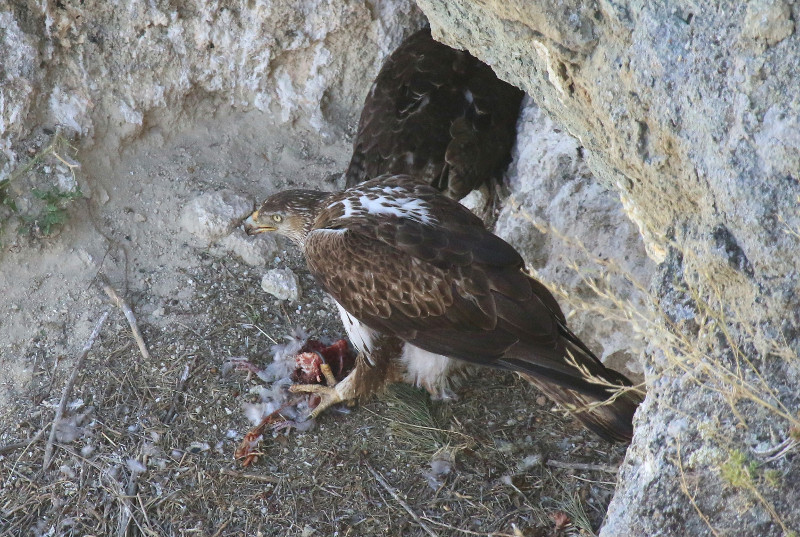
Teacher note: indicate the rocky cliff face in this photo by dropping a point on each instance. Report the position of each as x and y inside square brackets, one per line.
[691, 112]
[95, 69]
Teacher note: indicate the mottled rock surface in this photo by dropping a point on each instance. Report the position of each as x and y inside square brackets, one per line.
[574, 234]
[98, 71]
[283, 284]
[691, 112]
[213, 215]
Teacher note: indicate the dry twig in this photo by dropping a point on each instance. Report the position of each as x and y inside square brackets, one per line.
[8, 448]
[245, 475]
[126, 309]
[179, 389]
[48, 450]
[470, 532]
[583, 466]
[222, 528]
[399, 500]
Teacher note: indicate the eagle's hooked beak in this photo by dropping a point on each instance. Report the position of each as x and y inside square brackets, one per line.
[252, 227]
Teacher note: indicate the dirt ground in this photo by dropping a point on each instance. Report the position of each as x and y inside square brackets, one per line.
[147, 445]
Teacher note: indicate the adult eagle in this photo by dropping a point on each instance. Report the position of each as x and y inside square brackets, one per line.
[423, 288]
[438, 114]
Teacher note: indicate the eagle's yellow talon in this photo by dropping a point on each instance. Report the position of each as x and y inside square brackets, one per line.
[330, 379]
[328, 395]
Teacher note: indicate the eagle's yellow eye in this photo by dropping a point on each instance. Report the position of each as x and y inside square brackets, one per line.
[277, 217]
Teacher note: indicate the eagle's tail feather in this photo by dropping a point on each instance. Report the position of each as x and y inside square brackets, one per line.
[611, 418]
[604, 400]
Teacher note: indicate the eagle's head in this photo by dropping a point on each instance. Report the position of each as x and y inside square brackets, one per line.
[290, 213]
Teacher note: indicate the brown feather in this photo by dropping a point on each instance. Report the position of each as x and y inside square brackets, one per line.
[439, 114]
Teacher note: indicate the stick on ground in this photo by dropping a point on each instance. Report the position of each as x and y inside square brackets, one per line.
[65, 394]
[126, 309]
[583, 466]
[8, 448]
[399, 500]
[254, 477]
[179, 389]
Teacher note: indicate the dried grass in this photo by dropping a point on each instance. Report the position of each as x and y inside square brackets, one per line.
[722, 352]
[148, 413]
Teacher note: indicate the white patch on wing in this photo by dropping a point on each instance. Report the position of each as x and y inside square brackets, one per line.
[391, 190]
[349, 210]
[336, 232]
[411, 208]
[468, 96]
[360, 335]
[428, 370]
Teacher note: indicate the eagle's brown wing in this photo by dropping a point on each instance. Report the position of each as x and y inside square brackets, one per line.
[397, 279]
[451, 287]
[438, 114]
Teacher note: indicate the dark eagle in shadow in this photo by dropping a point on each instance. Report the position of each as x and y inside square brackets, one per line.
[438, 114]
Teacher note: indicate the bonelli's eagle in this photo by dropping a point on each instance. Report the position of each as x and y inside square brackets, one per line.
[423, 288]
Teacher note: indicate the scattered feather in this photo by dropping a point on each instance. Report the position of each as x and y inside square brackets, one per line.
[298, 360]
[198, 447]
[135, 466]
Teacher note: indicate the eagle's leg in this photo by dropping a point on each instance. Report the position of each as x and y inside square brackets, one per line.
[367, 377]
[335, 392]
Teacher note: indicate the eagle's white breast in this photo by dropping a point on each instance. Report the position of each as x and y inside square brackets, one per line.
[420, 367]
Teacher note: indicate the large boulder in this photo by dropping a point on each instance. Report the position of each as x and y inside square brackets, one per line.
[691, 112]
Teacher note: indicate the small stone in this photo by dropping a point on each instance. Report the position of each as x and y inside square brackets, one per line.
[101, 195]
[215, 214]
[283, 284]
[23, 205]
[66, 183]
[255, 251]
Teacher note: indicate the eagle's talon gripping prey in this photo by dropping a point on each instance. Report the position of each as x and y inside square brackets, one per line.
[328, 394]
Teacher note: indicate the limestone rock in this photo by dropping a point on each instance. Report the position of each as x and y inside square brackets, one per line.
[572, 231]
[213, 215]
[93, 68]
[768, 20]
[283, 284]
[19, 79]
[255, 251]
[689, 112]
